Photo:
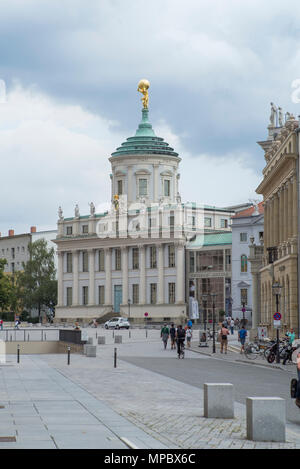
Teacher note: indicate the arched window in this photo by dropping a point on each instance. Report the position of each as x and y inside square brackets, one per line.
[244, 264]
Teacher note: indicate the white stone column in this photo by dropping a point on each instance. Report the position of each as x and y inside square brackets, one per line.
[75, 278]
[180, 273]
[142, 299]
[129, 185]
[160, 286]
[290, 209]
[91, 254]
[124, 251]
[155, 182]
[60, 278]
[295, 205]
[108, 298]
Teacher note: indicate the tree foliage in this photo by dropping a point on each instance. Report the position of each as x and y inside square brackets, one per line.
[37, 282]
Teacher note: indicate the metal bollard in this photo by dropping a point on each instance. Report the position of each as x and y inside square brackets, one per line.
[146, 333]
[28, 337]
[45, 337]
[129, 334]
[10, 337]
[115, 358]
[69, 353]
[113, 334]
[18, 353]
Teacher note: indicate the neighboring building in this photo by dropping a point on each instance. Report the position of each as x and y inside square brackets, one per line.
[14, 248]
[131, 259]
[208, 260]
[279, 189]
[247, 227]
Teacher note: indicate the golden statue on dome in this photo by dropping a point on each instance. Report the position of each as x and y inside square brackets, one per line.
[143, 87]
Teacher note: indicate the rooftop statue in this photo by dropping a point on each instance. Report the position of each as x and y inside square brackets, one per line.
[143, 87]
[280, 117]
[273, 115]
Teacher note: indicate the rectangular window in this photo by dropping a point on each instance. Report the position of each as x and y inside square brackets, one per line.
[69, 230]
[69, 296]
[171, 220]
[171, 293]
[207, 222]
[69, 262]
[13, 267]
[153, 263]
[171, 255]
[117, 259]
[120, 187]
[244, 296]
[167, 183]
[85, 295]
[101, 294]
[85, 229]
[243, 237]
[85, 261]
[153, 293]
[192, 262]
[135, 258]
[142, 187]
[135, 294]
[224, 223]
[13, 253]
[101, 260]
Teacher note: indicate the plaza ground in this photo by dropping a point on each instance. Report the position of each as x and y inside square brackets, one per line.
[150, 400]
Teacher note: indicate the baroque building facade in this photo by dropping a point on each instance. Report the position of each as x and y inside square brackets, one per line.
[279, 189]
[130, 260]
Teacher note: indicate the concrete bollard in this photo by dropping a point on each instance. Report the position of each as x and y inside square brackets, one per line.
[91, 350]
[266, 419]
[118, 339]
[101, 340]
[218, 401]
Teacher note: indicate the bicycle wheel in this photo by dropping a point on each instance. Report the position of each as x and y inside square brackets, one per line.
[271, 357]
[251, 352]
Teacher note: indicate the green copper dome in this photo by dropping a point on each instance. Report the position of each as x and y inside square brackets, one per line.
[145, 141]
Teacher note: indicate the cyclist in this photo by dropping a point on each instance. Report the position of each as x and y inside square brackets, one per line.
[180, 337]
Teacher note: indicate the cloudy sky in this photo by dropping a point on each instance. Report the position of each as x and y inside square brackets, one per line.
[71, 69]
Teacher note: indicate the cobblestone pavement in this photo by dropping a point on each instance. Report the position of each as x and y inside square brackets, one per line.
[168, 410]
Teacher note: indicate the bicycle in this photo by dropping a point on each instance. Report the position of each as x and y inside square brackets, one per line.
[255, 349]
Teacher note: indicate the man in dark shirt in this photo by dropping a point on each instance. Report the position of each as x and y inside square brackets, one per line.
[180, 336]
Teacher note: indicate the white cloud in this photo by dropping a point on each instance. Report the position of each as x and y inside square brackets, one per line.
[53, 154]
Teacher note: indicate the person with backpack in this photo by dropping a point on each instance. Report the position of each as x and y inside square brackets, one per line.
[173, 336]
[242, 338]
[180, 337]
[189, 335]
[224, 332]
[165, 333]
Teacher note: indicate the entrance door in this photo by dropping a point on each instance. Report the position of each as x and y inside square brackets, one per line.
[117, 298]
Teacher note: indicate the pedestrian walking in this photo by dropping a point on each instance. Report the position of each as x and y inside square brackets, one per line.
[242, 338]
[1, 324]
[173, 336]
[180, 337]
[232, 326]
[291, 336]
[224, 332]
[165, 333]
[189, 335]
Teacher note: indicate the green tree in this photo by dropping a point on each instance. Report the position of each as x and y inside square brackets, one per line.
[37, 283]
[6, 287]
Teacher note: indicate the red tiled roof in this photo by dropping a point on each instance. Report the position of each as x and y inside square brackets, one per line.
[249, 211]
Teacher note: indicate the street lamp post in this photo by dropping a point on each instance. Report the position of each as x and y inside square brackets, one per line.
[276, 287]
[213, 296]
[129, 309]
[204, 299]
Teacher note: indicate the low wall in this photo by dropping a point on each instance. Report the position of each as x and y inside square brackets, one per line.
[42, 347]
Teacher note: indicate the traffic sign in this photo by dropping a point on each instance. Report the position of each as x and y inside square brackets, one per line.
[146, 314]
[277, 316]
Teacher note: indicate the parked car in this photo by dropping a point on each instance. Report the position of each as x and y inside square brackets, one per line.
[117, 323]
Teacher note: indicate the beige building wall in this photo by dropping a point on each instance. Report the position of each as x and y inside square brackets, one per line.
[280, 260]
